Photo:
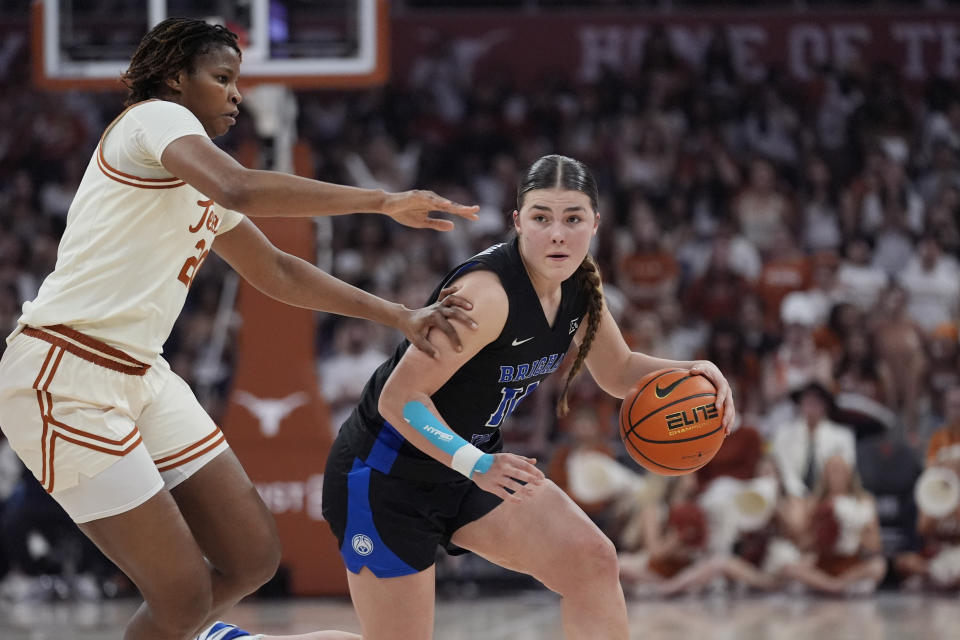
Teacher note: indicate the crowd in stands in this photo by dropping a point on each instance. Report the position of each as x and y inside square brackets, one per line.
[803, 237]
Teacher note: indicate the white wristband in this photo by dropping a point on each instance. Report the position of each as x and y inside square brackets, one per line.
[465, 459]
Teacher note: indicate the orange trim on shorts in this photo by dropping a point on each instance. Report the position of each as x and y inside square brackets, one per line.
[53, 446]
[53, 428]
[80, 432]
[45, 455]
[36, 383]
[136, 368]
[93, 343]
[87, 445]
[219, 438]
[43, 439]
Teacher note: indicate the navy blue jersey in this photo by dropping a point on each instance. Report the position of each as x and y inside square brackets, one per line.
[479, 397]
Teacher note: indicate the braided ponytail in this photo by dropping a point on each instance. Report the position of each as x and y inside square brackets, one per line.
[588, 277]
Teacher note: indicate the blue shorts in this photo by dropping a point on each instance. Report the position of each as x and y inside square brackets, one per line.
[393, 525]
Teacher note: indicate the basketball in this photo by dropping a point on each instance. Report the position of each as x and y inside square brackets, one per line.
[669, 424]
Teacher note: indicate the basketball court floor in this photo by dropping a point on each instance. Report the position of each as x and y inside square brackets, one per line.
[536, 616]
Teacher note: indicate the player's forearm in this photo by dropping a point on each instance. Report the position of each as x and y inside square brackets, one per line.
[297, 282]
[644, 363]
[414, 415]
[635, 366]
[392, 401]
[273, 194]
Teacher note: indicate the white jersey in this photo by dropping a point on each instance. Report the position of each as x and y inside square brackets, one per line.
[135, 237]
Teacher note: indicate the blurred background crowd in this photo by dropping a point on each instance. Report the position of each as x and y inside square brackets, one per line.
[805, 238]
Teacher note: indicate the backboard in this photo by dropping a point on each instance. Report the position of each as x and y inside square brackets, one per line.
[79, 44]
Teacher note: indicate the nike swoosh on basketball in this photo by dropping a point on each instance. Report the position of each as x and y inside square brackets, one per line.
[517, 343]
[665, 391]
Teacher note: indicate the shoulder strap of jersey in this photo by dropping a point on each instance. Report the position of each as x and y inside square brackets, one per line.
[489, 258]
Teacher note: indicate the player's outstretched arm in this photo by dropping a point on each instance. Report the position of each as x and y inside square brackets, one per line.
[296, 282]
[203, 165]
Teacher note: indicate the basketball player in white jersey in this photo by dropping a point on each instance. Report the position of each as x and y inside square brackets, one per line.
[86, 400]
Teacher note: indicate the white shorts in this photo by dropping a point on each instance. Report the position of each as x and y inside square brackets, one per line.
[101, 431]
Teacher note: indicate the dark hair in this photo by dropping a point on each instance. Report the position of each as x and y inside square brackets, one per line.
[555, 171]
[170, 47]
[559, 171]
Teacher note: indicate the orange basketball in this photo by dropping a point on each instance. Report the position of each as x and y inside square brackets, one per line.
[669, 424]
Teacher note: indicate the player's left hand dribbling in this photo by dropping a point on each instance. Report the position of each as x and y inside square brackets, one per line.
[724, 393]
[413, 208]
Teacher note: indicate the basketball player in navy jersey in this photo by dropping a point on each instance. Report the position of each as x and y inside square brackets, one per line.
[419, 461]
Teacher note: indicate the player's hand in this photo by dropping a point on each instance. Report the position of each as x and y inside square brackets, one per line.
[510, 471]
[413, 208]
[724, 400]
[417, 323]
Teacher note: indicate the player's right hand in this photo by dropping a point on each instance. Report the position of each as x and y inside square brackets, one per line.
[417, 323]
[413, 208]
[511, 477]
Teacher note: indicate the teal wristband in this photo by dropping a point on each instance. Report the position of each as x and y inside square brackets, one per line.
[483, 464]
[467, 459]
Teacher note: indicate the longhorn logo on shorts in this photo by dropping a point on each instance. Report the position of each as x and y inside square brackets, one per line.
[362, 544]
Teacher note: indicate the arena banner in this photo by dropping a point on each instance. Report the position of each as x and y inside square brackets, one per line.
[578, 46]
[277, 421]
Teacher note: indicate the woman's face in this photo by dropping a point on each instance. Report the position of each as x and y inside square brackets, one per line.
[555, 227]
[210, 90]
